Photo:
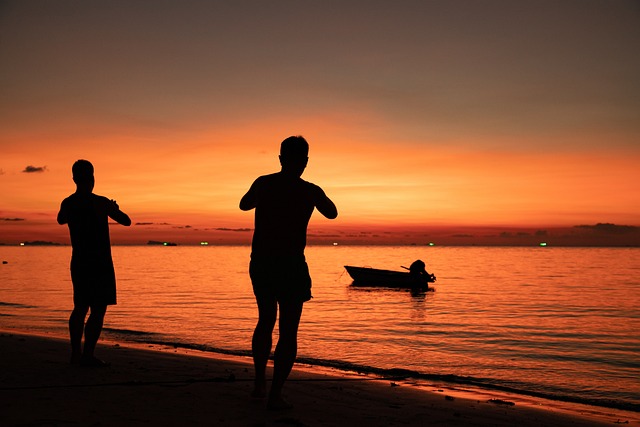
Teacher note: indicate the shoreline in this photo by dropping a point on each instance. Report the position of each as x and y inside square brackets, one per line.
[415, 378]
[162, 385]
[455, 384]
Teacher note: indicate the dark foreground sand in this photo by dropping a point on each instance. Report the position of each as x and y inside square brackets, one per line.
[161, 387]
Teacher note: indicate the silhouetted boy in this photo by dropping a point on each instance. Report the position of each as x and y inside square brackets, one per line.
[278, 269]
[92, 273]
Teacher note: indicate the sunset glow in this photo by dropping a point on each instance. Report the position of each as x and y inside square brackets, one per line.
[430, 118]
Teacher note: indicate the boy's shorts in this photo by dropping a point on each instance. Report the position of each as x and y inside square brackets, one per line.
[94, 283]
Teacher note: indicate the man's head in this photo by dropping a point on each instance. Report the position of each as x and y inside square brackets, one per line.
[83, 174]
[294, 152]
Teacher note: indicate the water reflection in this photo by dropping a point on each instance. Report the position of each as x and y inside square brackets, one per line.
[419, 297]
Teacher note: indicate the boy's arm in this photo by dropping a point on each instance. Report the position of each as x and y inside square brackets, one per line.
[324, 204]
[116, 214]
[250, 200]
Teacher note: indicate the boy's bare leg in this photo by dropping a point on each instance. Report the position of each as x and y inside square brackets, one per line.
[93, 329]
[286, 351]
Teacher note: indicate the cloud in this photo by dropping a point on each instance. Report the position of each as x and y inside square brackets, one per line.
[1, 171]
[12, 219]
[233, 229]
[34, 169]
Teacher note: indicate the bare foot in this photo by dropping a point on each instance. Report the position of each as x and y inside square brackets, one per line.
[278, 404]
[93, 362]
[259, 390]
[75, 358]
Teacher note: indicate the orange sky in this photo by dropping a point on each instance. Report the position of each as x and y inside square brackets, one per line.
[420, 115]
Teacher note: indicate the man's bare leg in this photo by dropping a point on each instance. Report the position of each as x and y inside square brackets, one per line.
[76, 330]
[261, 343]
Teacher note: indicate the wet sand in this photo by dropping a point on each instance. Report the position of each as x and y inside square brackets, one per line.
[152, 385]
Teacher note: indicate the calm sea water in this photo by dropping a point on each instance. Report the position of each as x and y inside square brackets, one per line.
[561, 323]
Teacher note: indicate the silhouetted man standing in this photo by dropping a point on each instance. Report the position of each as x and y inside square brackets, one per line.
[278, 269]
[92, 272]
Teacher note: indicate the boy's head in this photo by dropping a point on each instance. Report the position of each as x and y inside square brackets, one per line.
[294, 152]
[82, 172]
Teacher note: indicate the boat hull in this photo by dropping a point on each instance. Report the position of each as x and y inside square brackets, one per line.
[366, 276]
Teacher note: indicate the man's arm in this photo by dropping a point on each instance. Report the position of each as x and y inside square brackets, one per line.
[116, 214]
[324, 204]
[63, 217]
[250, 200]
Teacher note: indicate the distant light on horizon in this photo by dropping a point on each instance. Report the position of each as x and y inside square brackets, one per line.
[431, 244]
[543, 244]
[204, 243]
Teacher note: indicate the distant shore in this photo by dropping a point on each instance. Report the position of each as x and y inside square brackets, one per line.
[460, 245]
[150, 384]
[602, 234]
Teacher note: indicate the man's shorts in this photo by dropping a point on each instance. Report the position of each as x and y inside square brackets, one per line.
[94, 283]
[282, 278]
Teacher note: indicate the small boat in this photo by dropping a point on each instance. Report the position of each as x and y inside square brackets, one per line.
[367, 276]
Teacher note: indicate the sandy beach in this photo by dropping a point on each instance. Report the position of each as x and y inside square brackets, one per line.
[168, 386]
